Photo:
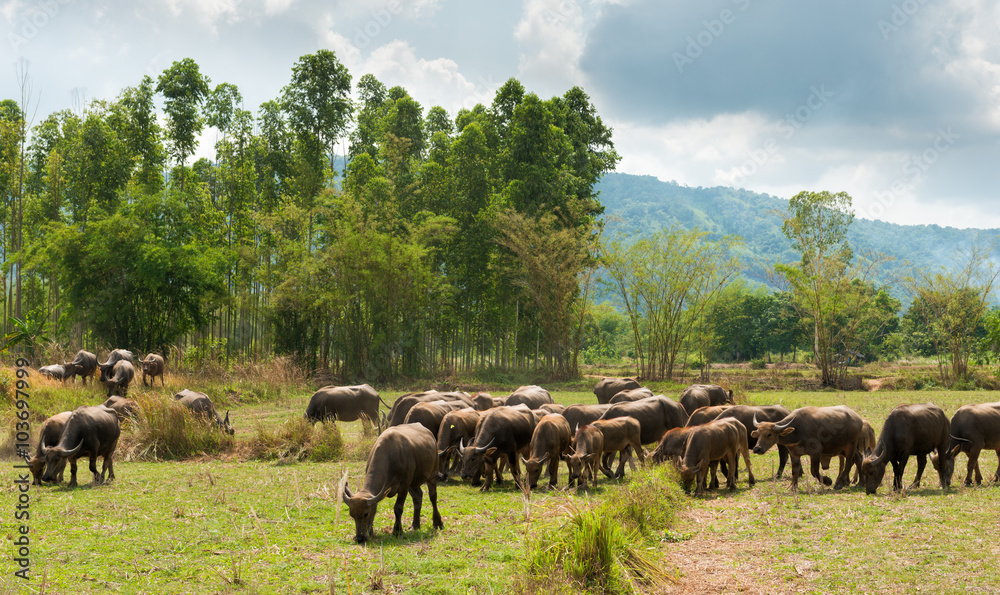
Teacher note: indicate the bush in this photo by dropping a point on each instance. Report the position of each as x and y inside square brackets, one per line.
[758, 364]
[297, 438]
[165, 429]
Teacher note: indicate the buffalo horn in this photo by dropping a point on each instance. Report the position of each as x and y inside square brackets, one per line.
[543, 459]
[482, 449]
[347, 493]
[70, 453]
[954, 437]
[755, 422]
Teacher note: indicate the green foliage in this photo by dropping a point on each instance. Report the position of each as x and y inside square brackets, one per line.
[184, 89]
[758, 364]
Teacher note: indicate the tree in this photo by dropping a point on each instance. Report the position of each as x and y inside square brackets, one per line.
[184, 89]
[318, 103]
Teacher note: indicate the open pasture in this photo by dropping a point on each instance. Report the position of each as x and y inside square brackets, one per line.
[223, 524]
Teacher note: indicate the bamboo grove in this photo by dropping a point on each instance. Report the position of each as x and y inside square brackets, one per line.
[442, 241]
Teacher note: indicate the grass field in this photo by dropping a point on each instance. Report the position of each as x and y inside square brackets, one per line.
[223, 524]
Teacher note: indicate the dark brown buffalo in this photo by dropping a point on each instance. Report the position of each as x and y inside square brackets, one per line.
[552, 408]
[974, 428]
[402, 459]
[484, 401]
[84, 365]
[502, 434]
[532, 396]
[704, 395]
[201, 404]
[656, 415]
[344, 403]
[119, 378]
[124, 408]
[49, 435]
[431, 414]
[720, 440]
[581, 415]
[456, 428]
[621, 435]
[89, 431]
[632, 394]
[672, 445]
[909, 430]
[585, 459]
[118, 355]
[703, 415]
[152, 367]
[402, 405]
[817, 432]
[865, 446]
[54, 371]
[747, 413]
[609, 387]
[549, 441]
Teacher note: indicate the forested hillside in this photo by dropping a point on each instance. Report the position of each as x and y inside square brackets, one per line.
[644, 205]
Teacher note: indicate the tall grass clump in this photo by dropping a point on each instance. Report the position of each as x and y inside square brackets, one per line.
[297, 438]
[165, 429]
[648, 502]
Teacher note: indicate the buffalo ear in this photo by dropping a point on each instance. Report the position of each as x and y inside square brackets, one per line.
[754, 433]
[589, 457]
[491, 451]
[786, 431]
[954, 452]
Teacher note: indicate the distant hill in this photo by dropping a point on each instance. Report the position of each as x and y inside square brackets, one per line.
[644, 205]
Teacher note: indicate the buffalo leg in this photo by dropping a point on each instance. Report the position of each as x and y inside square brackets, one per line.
[844, 475]
[814, 463]
[418, 498]
[713, 483]
[796, 471]
[782, 459]
[553, 472]
[72, 473]
[731, 477]
[921, 463]
[898, 466]
[432, 493]
[701, 478]
[623, 455]
[746, 459]
[397, 529]
[98, 478]
[973, 466]
[996, 476]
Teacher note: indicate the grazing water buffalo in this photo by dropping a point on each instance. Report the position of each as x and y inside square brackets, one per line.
[456, 427]
[703, 415]
[908, 430]
[502, 433]
[621, 435]
[550, 439]
[152, 367]
[609, 387]
[431, 414]
[344, 403]
[484, 401]
[532, 396]
[124, 408]
[402, 405]
[672, 445]
[632, 394]
[84, 364]
[721, 440]
[973, 429]
[581, 415]
[817, 432]
[200, 404]
[119, 378]
[54, 371]
[49, 435]
[118, 355]
[704, 395]
[747, 413]
[866, 444]
[585, 459]
[402, 459]
[89, 431]
[656, 415]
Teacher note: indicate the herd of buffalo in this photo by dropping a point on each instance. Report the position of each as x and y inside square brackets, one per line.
[428, 436]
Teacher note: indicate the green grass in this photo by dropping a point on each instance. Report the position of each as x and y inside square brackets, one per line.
[225, 524]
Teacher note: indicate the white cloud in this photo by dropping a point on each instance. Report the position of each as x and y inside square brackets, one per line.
[552, 37]
[274, 7]
[208, 12]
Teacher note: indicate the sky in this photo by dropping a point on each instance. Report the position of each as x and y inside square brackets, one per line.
[896, 102]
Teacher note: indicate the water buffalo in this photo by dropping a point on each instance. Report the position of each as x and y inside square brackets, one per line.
[484, 401]
[609, 387]
[549, 441]
[402, 459]
[585, 458]
[456, 428]
[703, 415]
[866, 444]
[200, 404]
[118, 355]
[656, 415]
[908, 430]
[621, 435]
[817, 432]
[89, 431]
[84, 364]
[532, 396]
[124, 408]
[720, 440]
[582, 415]
[344, 403]
[704, 395]
[402, 405]
[119, 378]
[502, 433]
[747, 413]
[973, 428]
[54, 371]
[430, 415]
[672, 445]
[632, 394]
[152, 367]
[49, 435]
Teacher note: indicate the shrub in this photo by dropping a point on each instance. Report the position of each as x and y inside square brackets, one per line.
[648, 502]
[758, 364]
[165, 429]
[296, 438]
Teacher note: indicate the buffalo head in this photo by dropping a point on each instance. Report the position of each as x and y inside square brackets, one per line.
[768, 433]
[55, 461]
[362, 509]
[475, 458]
